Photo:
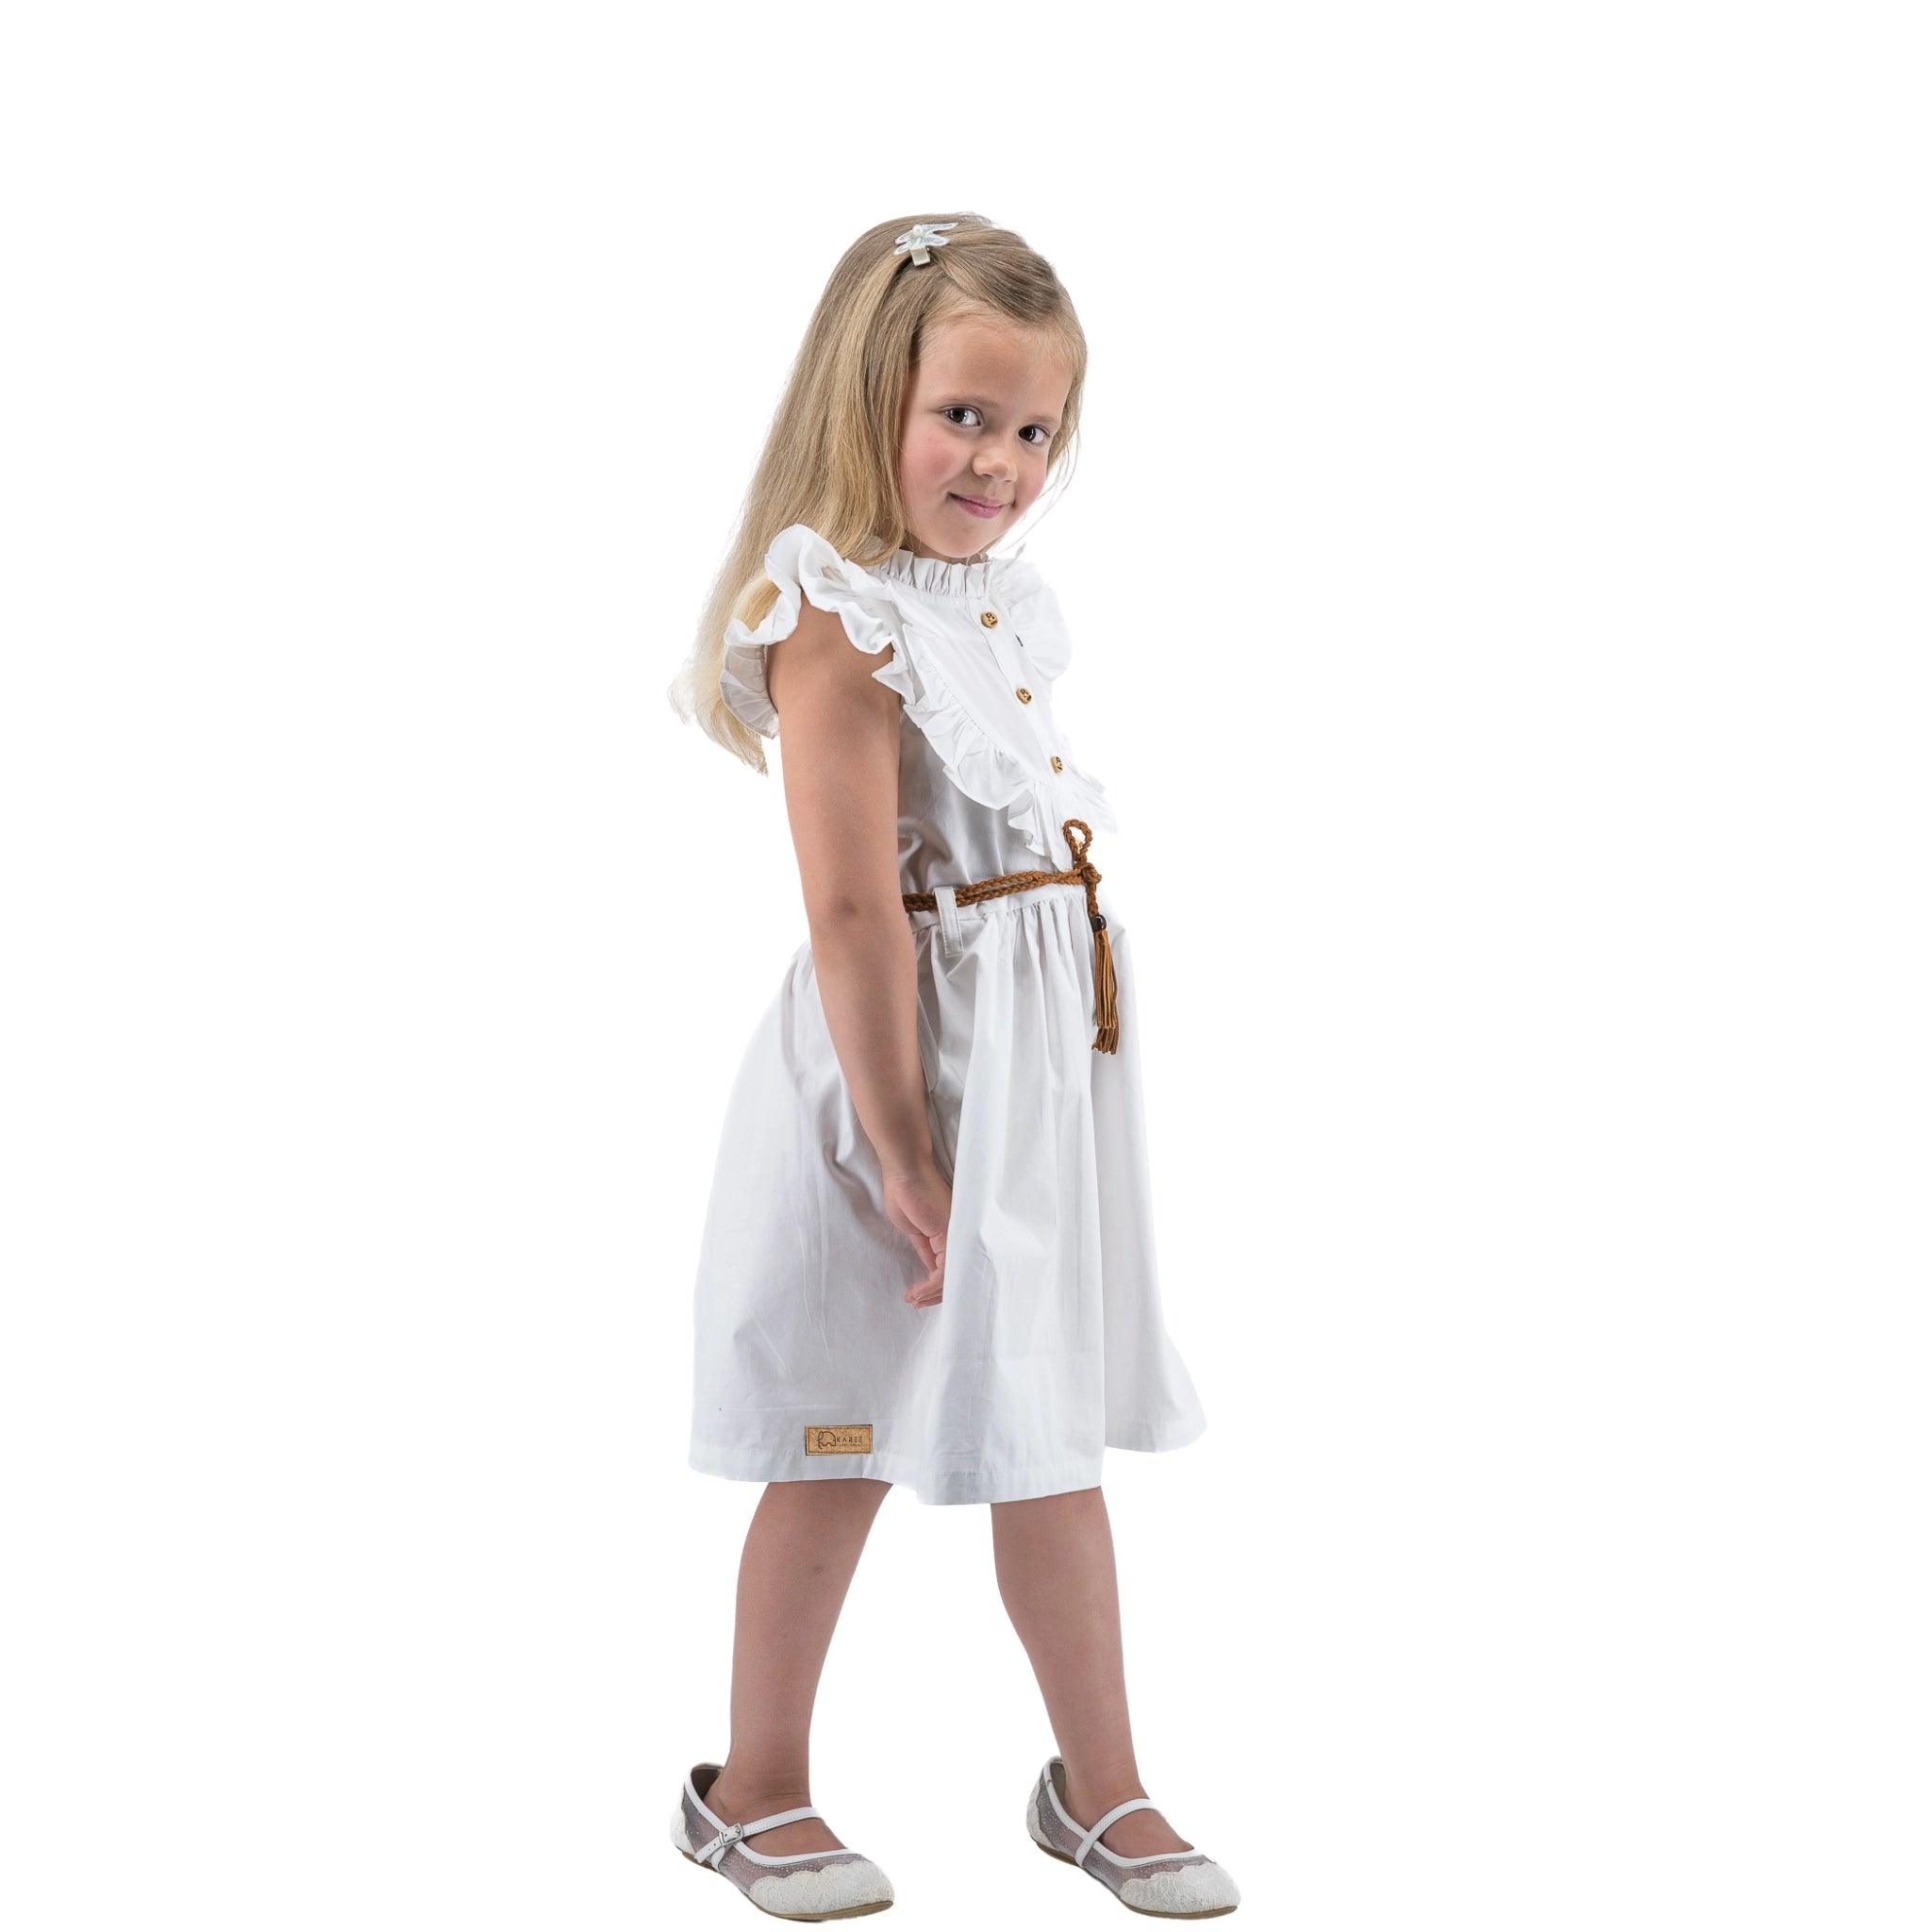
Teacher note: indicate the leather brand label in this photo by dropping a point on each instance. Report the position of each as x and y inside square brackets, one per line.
[843, 1438]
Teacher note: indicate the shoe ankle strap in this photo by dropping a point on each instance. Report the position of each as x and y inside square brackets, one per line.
[729, 1833]
[1093, 1831]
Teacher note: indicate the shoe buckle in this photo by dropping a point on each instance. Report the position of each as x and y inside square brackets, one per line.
[722, 1842]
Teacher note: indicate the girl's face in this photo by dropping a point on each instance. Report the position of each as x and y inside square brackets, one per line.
[982, 409]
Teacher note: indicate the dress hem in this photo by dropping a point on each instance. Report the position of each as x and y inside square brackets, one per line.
[944, 1487]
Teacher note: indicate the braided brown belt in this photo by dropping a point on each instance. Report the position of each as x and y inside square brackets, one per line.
[1106, 991]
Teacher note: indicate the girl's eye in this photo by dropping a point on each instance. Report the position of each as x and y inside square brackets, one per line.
[967, 409]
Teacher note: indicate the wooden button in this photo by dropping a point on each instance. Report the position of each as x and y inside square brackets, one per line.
[987, 618]
[1056, 761]
[1025, 695]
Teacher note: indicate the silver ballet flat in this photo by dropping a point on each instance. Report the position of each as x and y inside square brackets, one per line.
[807, 1885]
[1166, 1885]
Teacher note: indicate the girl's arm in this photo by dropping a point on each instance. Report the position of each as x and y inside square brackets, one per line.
[839, 743]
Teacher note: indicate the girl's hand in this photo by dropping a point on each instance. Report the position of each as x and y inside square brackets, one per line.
[919, 1203]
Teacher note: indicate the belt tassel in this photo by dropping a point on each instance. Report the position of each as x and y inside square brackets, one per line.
[1106, 1012]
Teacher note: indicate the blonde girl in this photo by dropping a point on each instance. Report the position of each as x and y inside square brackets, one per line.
[928, 1253]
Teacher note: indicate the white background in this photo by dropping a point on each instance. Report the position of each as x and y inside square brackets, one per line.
[1497, 565]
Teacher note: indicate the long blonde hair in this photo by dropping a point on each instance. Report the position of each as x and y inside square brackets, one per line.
[832, 459]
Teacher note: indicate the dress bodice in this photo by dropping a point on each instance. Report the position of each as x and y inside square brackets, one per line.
[986, 775]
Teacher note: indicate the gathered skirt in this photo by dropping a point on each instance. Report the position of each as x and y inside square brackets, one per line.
[1049, 1344]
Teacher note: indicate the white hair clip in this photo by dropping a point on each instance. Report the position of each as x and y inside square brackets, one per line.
[921, 236]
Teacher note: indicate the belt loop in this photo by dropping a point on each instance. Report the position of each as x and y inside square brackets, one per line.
[952, 936]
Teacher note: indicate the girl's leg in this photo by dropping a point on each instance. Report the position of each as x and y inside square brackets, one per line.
[1054, 1558]
[799, 1555]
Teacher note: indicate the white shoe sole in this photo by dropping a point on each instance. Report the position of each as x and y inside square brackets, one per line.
[848, 1912]
[1212, 1912]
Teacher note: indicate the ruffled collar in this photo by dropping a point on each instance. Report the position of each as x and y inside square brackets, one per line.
[984, 581]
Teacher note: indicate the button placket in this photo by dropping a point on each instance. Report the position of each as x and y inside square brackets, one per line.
[1022, 694]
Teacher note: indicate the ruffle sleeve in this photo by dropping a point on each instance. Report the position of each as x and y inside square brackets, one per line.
[805, 566]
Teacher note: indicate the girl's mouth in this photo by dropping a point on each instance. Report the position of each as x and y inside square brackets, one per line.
[977, 505]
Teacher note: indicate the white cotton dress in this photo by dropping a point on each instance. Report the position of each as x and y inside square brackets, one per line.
[1049, 1344]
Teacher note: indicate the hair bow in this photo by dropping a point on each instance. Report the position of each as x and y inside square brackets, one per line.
[920, 236]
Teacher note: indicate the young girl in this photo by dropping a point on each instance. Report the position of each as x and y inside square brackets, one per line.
[928, 1257]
